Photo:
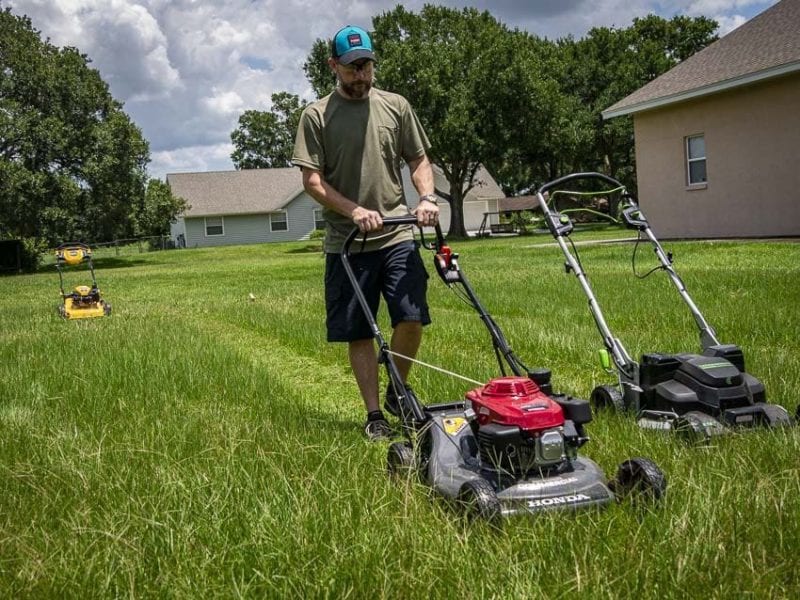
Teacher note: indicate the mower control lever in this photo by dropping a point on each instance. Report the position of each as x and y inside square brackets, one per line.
[634, 218]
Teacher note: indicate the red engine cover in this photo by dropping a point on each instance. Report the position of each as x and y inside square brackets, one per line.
[515, 401]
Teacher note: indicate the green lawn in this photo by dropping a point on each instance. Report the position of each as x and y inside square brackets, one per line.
[199, 444]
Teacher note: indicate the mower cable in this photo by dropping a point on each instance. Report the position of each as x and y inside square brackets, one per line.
[577, 254]
[435, 368]
[573, 193]
[633, 261]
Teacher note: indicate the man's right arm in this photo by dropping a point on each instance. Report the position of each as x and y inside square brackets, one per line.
[319, 189]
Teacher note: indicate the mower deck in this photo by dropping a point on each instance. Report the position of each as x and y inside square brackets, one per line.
[454, 460]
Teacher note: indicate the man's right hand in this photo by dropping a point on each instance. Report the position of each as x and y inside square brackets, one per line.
[367, 220]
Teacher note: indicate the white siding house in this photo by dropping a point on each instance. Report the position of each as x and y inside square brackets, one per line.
[253, 206]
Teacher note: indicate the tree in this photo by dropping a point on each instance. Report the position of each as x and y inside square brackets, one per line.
[265, 140]
[72, 164]
[160, 209]
[609, 64]
[318, 73]
[466, 76]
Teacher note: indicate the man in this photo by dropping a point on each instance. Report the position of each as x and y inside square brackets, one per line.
[350, 145]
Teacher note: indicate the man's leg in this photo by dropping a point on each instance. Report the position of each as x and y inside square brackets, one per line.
[405, 340]
[364, 362]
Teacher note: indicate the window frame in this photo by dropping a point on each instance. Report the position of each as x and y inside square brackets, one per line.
[221, 226]
[319, 223]
[690, 160]
[285, 221]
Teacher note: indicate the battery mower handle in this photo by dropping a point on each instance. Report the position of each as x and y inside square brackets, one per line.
[574, 176]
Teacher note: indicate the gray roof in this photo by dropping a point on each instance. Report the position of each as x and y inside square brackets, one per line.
[519, 203]
[249, 191]
[485, 186]
[254, 191]
[766, 46]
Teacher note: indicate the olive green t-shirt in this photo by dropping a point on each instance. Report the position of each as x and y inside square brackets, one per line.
[358, 146]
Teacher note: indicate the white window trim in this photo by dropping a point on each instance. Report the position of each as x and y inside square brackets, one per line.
[205, 227]
[321, 218]
[694, 184]
[286, 220]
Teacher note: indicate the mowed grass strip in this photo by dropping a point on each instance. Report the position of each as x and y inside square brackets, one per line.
[197, 443]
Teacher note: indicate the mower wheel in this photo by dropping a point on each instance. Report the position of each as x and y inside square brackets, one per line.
[107, 308]
[639, 479]
[479, 500]
[400, 459]
[607, 397]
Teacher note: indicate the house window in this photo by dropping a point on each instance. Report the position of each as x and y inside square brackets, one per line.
[696, 159]
[214, 226]
[278, 221]
[319, 222]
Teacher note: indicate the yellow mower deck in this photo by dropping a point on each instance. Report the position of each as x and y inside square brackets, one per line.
[76, 310]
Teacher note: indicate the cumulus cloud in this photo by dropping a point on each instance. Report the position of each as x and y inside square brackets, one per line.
[186, 69]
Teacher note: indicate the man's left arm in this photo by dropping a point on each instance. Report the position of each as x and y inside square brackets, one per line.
[427, 210]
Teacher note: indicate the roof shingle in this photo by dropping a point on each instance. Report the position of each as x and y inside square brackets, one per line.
[248, 191]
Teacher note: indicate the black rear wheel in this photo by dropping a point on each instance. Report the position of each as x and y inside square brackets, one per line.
[607, 397]
[480, 500]
[639, 479]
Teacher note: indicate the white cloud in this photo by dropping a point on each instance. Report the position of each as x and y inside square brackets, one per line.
[186, 69]
[212, 157]
[225, 103]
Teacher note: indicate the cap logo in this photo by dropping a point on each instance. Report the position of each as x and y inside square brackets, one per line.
[354, 39]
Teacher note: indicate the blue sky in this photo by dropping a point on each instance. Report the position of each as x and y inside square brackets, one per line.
[186, 69]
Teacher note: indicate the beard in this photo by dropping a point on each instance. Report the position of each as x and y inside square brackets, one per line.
[357, 89]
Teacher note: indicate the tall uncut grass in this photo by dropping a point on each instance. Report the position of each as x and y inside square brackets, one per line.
[199, 444]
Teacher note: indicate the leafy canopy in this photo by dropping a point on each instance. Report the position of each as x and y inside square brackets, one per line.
[72, 164]
[266, 139]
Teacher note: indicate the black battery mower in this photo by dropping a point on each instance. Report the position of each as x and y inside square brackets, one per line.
[511, 445]
[701, 395]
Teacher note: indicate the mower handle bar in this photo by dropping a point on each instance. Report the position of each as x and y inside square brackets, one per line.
[572, 177]
[387, 221]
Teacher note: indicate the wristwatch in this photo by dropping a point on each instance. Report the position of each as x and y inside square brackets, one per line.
[432, 198]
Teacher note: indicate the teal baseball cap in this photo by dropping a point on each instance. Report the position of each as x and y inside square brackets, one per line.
[351, 43]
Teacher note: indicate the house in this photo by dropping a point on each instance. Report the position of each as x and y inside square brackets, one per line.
[252, 206]
[249, 206]
[717, 136]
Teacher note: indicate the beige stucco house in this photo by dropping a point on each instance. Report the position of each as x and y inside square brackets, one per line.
[718, 136]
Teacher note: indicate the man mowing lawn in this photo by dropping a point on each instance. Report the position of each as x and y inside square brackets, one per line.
[349, 146]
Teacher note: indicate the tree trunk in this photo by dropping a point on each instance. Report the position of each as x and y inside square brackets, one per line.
[457, 229]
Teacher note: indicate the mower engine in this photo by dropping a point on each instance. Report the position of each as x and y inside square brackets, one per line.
[520, 429]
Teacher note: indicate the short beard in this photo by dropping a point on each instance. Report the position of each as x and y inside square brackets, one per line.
[356, 90]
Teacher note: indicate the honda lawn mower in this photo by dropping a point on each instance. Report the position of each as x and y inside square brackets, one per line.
[84, 301]
[701, 395]
[511, 446]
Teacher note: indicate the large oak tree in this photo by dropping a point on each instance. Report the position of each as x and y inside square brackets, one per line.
[72, 164]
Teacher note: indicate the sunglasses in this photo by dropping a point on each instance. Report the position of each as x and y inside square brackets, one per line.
[362, 67]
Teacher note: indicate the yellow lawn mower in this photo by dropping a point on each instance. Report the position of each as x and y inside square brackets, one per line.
[84, 301]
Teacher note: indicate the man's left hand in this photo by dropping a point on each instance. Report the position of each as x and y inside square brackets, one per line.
[427, 213]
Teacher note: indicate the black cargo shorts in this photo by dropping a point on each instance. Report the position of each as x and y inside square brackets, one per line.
[396, 273]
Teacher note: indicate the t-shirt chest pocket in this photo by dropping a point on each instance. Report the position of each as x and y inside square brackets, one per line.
[389, 140]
